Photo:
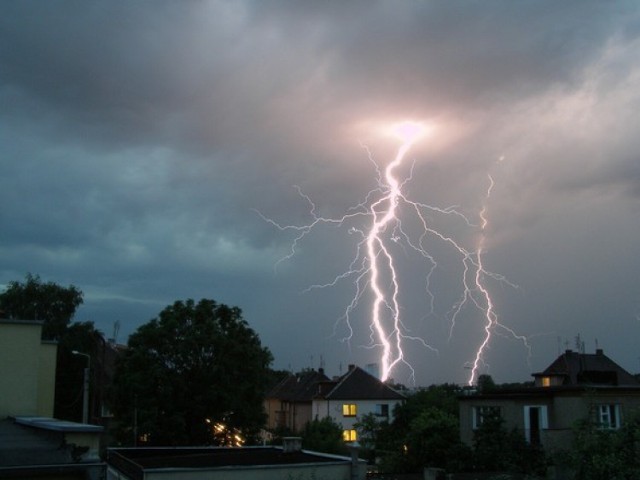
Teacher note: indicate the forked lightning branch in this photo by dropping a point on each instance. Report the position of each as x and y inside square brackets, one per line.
[374, 271]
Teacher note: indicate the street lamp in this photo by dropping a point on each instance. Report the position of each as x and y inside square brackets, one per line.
[85, 390]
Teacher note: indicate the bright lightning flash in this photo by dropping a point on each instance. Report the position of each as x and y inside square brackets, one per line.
[374, 268]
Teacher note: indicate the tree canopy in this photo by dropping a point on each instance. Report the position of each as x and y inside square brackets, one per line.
[36, 300]
[194, 366]
[324, 435]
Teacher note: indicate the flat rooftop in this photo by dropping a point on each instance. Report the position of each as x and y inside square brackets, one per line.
[141, 459]
[56, 425]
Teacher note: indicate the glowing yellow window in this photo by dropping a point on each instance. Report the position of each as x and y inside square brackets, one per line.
[349, 435]
[349, 410]
[546, 381]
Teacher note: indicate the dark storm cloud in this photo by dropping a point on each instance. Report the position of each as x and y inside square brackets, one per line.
[138, 139]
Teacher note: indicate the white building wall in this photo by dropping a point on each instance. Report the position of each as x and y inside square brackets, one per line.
[333, 409]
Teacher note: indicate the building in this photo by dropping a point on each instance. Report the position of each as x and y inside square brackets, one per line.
[27, 369]
[301, 398]
[246, 463]
[32, 443]
[288, 404]
[575, 386]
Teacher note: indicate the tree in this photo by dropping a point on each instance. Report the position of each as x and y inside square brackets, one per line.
[324, 436]
[369, 427]
[433, 440]
[496, 449]
[194, 366]
[602, 454]
[35, 300]
[486, 384]
[428, 419]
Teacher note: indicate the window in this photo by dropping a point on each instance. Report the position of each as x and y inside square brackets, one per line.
[546, 381]
[382, 410]
[608, 416]
[482, 413]
[105, 411]
[349, 435]
[349, 410]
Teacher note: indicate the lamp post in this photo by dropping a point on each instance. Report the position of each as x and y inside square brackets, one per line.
[85, 390]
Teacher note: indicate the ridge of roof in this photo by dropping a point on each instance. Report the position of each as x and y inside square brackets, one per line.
[359, 384]
[298, 387]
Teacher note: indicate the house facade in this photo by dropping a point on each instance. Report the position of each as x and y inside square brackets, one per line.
[27, 369]
[288, 404]
[32, 443]
[574, 387]
[301, 398]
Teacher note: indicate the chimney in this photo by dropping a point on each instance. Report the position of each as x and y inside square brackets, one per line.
[291, 444]
[351, 366]
[599, 351]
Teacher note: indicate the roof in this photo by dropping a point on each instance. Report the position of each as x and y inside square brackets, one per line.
[21, 445]
[27, 452]
[588, 369]
[12, 321]
[357, 384]
[56, 425]
[528, 393]
[301, 387]
[135, 461]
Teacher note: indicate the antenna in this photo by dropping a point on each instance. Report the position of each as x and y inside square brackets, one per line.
[116, 329]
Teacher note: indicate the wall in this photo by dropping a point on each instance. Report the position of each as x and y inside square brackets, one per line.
[340, 471]
[20, 361]
[47, 378]
[564, 409]
[271, 472]
[333, 408]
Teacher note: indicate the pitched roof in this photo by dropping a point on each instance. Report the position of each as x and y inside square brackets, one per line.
[585, 368]
[301, 387]
[357, 384]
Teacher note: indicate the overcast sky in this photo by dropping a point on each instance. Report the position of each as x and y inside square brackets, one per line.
[141, 141]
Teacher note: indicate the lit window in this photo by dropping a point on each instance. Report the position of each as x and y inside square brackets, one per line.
[382, 410]
[608, 416]
[349, 410]
[546, 381]
[482, 413]
[349, 435]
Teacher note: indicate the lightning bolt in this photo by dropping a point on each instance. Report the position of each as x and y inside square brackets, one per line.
[377, 221]
[487, 306]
